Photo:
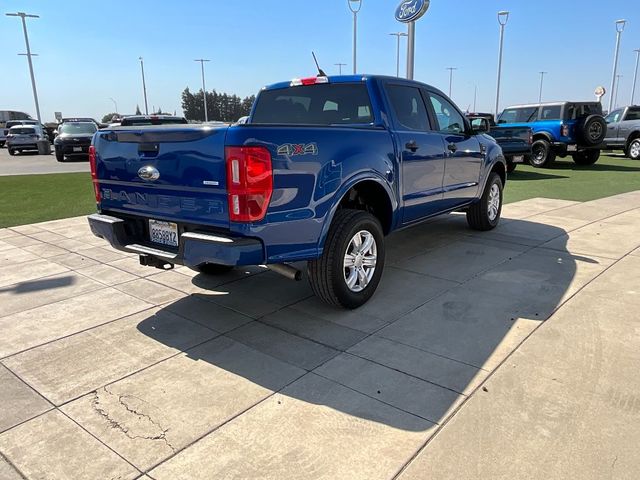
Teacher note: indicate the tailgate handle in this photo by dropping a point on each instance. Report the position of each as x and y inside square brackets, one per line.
[148, 149]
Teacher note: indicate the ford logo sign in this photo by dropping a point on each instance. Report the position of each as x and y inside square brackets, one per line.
[149, 173]
[411, 10]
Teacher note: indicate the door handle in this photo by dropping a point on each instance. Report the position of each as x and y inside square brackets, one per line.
[412, 145]
[452, 147]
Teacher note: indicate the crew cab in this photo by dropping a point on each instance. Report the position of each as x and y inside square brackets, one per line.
[514, 141]
[560, 129]
[623, 131]
[322, 170]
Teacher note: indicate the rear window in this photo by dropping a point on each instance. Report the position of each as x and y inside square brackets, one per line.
[22, 131]
[580, 110]
[519, 115]
[127, 122]
[325, 104]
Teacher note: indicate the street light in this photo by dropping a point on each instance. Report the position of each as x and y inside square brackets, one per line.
[542, 74]
[620, 24]
[355, 6]
[503, 18]
[635, 76]
[204, 90]
[115, 104]
[451, 69]
[398, 35]
[144, 87]
[22, 16]
[340, 65]
[615, 102]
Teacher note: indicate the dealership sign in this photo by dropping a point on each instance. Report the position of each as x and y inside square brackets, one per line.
[411, 10]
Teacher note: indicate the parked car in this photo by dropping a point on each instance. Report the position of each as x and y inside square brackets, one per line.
[560, 129]
[23, 138]
[73, 139]
[12, 123]
[623, 131]
[514, 141]
[8, 116]
[138, 120]
[321, 171]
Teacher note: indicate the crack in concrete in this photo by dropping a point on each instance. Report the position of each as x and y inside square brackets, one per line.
[95, 404]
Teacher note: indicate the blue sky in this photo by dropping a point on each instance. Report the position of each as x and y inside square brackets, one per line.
[89, 51]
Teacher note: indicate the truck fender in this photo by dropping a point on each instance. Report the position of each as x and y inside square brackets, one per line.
[494, 157]
[342, 191]
[543, 135]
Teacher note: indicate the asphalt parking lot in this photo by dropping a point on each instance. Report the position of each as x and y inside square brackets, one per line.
[507, 354]
[31, 163]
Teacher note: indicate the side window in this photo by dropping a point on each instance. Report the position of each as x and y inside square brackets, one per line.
[551, 112]
[632, 115]
[409, 107]
[613, 117]
[448, 118]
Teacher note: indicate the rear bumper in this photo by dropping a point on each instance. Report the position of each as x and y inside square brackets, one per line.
[565, 148]
[195, 248]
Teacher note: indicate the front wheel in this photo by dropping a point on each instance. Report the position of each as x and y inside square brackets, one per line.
[588, 157]
[12, 151]
[541, 154]
[349, 270]
[59, 156]
[633, 151]
[485, 214]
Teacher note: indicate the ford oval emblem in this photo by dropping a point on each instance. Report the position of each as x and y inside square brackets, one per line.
[411, 10]
[149, 173]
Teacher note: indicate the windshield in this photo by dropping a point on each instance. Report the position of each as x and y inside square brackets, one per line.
[153, 121]
[77, 128]
[326, 104]
[22, 131]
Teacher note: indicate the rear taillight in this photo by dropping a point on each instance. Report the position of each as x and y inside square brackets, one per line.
[94, 172]
[564, 130]
[249, 182]
[296, 82]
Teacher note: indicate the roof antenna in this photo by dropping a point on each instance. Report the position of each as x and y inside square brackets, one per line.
[320, 71]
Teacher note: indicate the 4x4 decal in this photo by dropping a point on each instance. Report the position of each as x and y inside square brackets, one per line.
[291, 149]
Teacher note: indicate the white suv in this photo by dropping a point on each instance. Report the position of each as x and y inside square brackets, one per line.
[28, 137]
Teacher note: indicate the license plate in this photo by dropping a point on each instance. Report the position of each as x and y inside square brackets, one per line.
[572, 148]
[77, 149]
[518, 159]
[165, 233]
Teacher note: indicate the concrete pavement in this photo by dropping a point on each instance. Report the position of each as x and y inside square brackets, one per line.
[29, 163]
[507, 354]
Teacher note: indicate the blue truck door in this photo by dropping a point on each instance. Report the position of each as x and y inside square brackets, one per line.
[422, 153]
[464, 156]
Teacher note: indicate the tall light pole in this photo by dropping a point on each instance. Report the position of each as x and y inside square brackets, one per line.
[22, 16]
[144, 87]
[635, 77]
[115, 104]
[451, 69]
[355, 6]
[475, 97]
[619, 29]
[340, 65]
[542, 74]
[398, 35]
[615, 101]
[503, 18]
[204, 89]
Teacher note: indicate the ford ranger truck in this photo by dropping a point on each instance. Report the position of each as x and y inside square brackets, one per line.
[322, 170]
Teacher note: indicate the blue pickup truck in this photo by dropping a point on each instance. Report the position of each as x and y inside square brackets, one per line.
[322, 170]
[560, 129]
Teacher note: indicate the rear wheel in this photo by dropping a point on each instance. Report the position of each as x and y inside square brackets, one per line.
[349, 270]
[541, 154]
[633, 151]
[588, 157]
[213, 269]
[485, 214]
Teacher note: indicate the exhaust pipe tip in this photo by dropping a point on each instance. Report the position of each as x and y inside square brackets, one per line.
[286, 270]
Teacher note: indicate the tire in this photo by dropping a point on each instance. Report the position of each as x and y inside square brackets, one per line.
[511, 167]
[485, 214]
[593, 130]
[633, 150]
[214, 269]
[59, 156]
[541, 154]
[2, 143]
[12, 151]
[587, 157]
[328, 274]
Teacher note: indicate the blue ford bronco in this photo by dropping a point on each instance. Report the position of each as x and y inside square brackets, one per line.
[560, 129]
[322, 170]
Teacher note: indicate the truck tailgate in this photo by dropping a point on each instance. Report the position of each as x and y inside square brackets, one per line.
[171, 172]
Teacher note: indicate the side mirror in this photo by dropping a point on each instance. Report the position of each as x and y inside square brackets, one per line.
[480, 125]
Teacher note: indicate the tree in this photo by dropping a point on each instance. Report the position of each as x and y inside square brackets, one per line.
[138, 112]
[221, 107]
[109, 117]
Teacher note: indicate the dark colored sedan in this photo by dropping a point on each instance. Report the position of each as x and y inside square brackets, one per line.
[74, 139]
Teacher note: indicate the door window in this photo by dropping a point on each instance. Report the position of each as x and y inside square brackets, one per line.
[633, 115]
[448, 118]
[613, 117]
[409, 107]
